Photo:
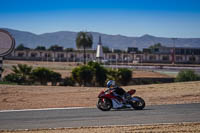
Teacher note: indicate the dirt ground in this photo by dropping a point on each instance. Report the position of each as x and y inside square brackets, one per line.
[33, 97]
[148, 74]
[164, 128]
[24, 97]
[64, 68]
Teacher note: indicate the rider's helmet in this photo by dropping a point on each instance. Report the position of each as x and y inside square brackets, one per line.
[110, 83]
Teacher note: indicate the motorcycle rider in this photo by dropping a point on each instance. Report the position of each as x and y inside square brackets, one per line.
[117, 91]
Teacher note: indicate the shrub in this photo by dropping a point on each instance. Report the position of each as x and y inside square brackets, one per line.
[68, 81]
[100, 73]
[7, 83]
[121, 76]
[14, 78]
[124, 76]
[75, 75]
[86, 75]
[187, 75]
[83, 75]
[54, 77]
[24, 74]
[42, 75]
[112, 74]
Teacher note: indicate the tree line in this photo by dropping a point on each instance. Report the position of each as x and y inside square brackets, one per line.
[55, 47]
[92, 74]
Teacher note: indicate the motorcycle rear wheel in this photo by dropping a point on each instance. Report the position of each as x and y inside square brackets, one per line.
[138, 105]
[104, 104]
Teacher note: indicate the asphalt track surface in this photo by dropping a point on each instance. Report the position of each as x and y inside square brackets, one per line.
[84, 117]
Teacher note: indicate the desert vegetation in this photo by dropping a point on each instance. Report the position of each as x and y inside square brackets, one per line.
[92, 74]
[26, 75]
[187, 75]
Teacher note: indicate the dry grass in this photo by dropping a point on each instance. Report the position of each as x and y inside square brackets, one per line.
[148, 74]
[174, 128]
[42, 63]
[24, 97]
[62, 67]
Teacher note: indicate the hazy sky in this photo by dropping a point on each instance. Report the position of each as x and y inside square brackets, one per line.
[166, 18]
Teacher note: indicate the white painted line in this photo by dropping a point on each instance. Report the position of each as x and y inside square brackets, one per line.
[44, 109]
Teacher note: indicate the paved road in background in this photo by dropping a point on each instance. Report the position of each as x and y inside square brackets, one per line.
[94, 117]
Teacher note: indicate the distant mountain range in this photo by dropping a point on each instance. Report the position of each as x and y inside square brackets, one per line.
[67, 40]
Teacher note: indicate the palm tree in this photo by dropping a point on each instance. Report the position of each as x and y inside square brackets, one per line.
[24, 71]
[84, 40]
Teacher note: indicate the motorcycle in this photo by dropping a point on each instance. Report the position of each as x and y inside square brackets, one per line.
[108, 100]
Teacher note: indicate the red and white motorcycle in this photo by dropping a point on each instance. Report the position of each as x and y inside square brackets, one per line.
[108, 100]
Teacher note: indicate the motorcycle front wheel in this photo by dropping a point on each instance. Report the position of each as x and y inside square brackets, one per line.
[104, 104]
[139, 104]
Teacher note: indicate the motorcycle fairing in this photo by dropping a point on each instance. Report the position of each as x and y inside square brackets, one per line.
[116, 104]
[135, 99]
